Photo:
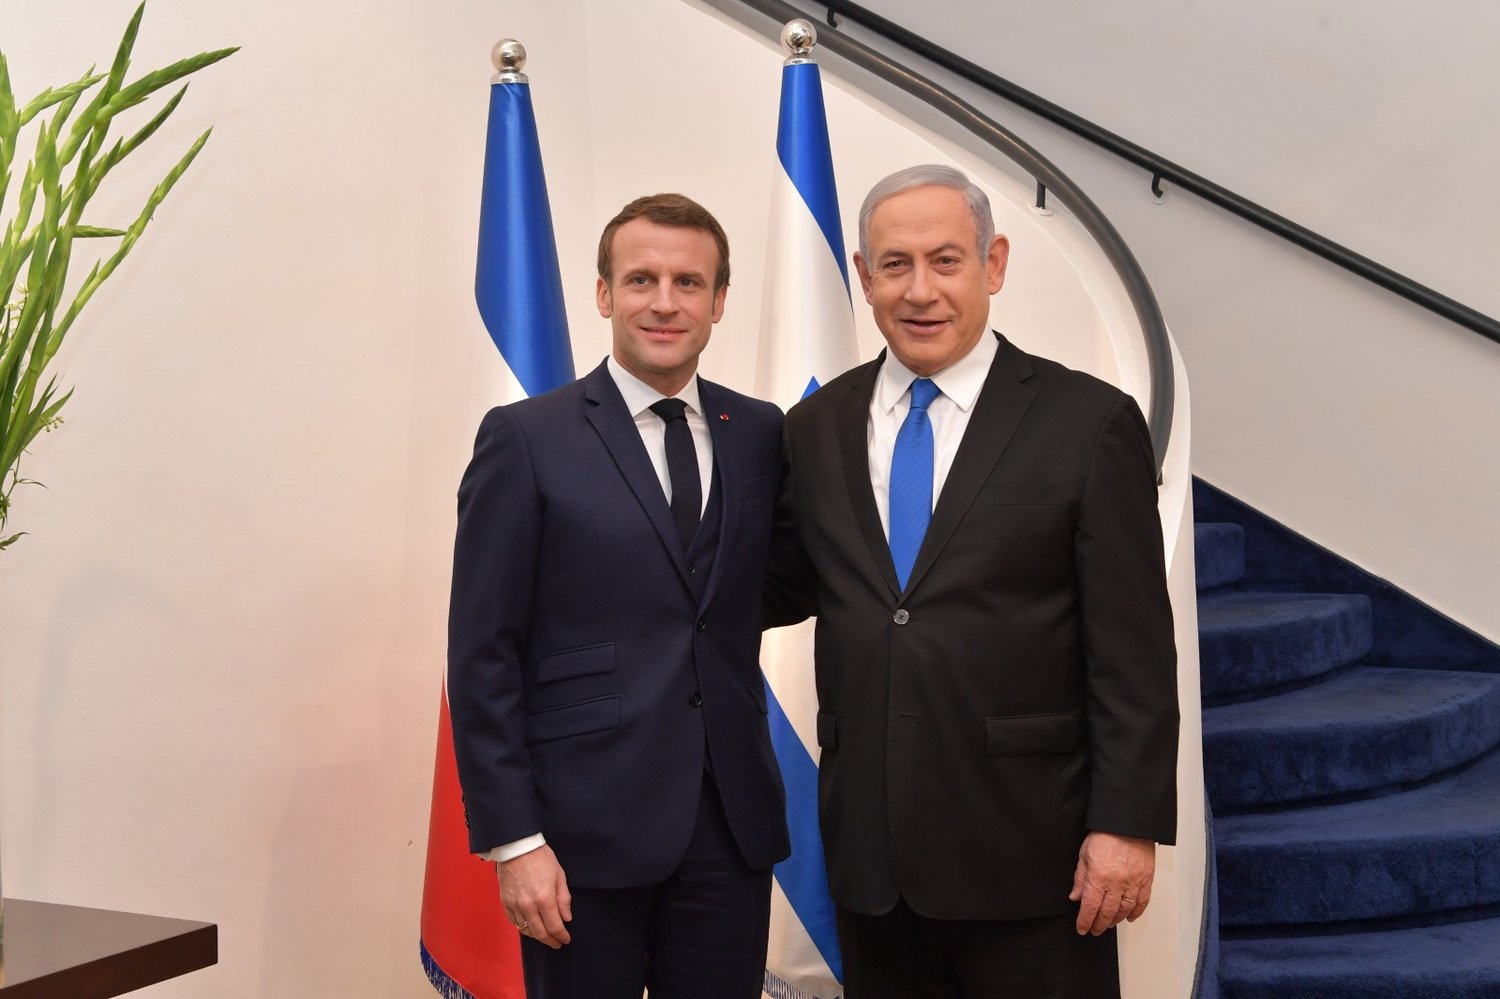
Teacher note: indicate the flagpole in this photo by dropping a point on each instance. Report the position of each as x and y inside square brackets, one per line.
[509, 57]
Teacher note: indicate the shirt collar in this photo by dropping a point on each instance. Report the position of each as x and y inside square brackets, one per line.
[639, 396]
[960, 381]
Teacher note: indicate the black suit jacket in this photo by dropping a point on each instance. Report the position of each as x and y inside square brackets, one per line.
[586, 681]
[1022, 691]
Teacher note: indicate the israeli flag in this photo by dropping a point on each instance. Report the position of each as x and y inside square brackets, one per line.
[806, 338]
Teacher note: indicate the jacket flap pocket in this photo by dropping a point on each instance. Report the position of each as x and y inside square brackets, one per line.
[1028, 735]
[576, 662]
[574, 719]
[828, 730]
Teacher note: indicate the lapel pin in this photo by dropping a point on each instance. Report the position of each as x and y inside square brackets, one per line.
[724, 417]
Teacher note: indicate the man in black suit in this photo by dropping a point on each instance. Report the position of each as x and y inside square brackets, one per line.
[609, 713]
[976, 530]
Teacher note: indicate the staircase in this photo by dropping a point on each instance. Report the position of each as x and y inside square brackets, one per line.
[1351, 743]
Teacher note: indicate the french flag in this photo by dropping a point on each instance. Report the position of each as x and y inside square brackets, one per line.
[469, 949]
[806, 338]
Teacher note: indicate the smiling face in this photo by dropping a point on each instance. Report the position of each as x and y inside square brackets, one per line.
[660, 300]
[926, 280]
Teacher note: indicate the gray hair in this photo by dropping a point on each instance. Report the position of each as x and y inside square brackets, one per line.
[929, 175]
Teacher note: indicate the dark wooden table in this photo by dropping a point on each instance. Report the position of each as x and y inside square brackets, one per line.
[65, 950]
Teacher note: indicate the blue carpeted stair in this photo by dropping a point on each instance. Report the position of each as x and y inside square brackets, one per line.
[1251, 641]
[1427, 962]
[1351, 742]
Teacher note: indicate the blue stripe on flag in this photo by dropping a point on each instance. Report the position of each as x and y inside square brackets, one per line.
[802, 146]
[517, 282]
[801, 875]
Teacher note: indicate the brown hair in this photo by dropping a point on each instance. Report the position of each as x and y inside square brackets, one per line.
[671, 210]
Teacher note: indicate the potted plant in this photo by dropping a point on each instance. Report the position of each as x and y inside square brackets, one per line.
[45, 226]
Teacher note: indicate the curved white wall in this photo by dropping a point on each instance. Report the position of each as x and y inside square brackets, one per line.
[220, 646]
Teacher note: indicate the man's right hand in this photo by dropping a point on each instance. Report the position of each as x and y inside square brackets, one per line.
[534, 891]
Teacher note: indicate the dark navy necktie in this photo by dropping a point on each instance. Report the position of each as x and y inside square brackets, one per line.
[682, 469]
[911, 480]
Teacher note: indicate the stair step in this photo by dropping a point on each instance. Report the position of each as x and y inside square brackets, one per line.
[1457, 961]
[1369, 727]
[1218, 554]
[1248, 641]
[1429, 849]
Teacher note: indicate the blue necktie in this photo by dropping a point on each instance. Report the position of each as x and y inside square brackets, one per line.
[911, 480]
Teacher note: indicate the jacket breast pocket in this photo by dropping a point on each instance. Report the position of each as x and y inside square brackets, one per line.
[576, 662]
[597, 715]
[1003, 495]
[1031, 735]
[759, 485]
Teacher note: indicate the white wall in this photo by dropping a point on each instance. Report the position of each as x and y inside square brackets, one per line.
[1356, 418]
[220, 646]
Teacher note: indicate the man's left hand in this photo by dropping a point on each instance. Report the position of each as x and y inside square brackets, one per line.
[1113, 880]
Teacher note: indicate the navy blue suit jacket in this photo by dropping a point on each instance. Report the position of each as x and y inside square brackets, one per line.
[586, 681]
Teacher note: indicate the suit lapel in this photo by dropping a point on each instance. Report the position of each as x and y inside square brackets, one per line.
[854, 449]
[606, 410]
[998, 411]
[727, 473]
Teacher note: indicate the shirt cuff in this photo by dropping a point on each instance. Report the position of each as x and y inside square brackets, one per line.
[512, 850]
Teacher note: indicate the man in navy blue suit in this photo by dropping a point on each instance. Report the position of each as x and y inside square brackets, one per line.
[609, 713]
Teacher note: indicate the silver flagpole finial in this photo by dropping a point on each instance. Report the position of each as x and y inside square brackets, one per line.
[799, 36]
[509, 57]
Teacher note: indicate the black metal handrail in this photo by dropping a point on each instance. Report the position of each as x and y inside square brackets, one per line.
[1142, 298]
[1162, 169]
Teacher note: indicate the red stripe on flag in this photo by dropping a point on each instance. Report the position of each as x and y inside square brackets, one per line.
[463, 923]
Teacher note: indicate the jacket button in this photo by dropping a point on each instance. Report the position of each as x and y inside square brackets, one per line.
[691, 568]
[901, 616]
[696, 699]
[702, 624]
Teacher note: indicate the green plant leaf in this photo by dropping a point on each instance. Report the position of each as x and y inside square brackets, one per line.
[124, 148]
[122, 52]
[134, 93]
[70, 162]
[7, 99]
[149, 129]
[159, 194]
[56, 95]
[14, 252]
[10, 127]
[49, 410]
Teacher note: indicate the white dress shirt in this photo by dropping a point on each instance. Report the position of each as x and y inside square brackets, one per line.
[959, 384]
[638, 398]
